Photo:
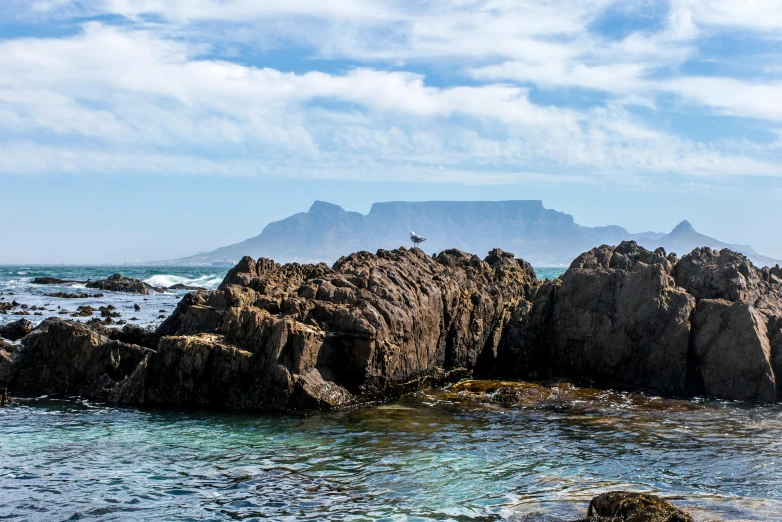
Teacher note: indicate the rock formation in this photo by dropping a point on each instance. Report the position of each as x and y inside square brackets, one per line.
[374, 326]
[16, 329]
[118, 283]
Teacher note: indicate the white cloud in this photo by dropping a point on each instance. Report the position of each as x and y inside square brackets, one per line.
[144, 96]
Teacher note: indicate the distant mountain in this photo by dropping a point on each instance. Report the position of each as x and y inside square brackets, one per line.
[542, 236]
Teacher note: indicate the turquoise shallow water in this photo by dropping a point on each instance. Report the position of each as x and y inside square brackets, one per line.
[424, 457]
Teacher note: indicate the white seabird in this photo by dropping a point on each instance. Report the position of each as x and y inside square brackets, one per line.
[415, 238]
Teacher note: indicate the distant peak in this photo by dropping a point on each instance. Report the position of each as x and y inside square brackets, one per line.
[684, 226]
[324, 206]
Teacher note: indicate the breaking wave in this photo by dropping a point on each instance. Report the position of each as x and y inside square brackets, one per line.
[207, 281]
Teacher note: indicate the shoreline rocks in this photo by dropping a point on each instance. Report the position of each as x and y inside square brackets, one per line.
[375, 326]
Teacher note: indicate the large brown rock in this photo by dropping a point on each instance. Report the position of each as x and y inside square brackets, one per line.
[364, 329]
[62, 357]
[737, 325]
[733, 352]
[616, 317]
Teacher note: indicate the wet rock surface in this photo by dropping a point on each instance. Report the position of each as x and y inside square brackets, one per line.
[375, 326]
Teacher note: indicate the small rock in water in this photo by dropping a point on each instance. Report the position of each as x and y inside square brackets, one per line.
[16, 330]
[108, 312]
[136, 307]
[53, 281]
[118, 283]
[83, 311]
[621, 506]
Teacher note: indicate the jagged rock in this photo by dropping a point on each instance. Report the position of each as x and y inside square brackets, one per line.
[62, 357]
[118, 283]
[616, 316]
[624, 506]
[738, 334]
[16, 330]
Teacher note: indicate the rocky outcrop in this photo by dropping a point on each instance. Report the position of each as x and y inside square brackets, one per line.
[118, 283]
[708, 323]
[616, 316]
[67, 358]
[16, 330]
[374, 326]
[271, 337]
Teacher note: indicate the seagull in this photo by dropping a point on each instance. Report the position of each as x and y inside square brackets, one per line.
[415, 238]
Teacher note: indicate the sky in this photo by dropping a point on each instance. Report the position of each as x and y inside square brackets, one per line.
[136, 130]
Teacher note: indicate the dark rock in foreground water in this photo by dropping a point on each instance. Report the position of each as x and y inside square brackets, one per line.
[16, 330]
[624, 506]
[375, 326]
[118, 283]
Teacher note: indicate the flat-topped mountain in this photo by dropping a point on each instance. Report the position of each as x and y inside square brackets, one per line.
[544, 237]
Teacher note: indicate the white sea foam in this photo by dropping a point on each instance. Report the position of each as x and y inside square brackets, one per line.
[167, 280]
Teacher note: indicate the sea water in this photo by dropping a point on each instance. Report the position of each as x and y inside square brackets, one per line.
[423, 457]
[16, 285]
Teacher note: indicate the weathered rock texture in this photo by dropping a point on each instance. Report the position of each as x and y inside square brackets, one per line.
[376, 325]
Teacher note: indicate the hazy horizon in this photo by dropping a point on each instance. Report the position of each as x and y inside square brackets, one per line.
[137, 131]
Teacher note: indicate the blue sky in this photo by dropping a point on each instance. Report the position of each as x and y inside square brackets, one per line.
[133, 130]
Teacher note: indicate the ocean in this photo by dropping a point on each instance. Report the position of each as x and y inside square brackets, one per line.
[426, 457]
[16, 285]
